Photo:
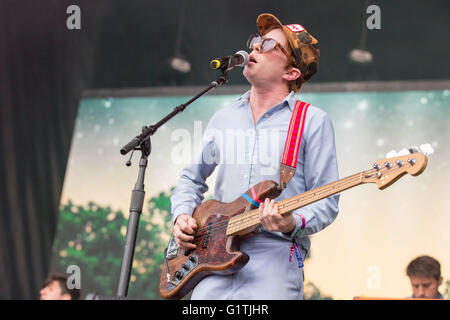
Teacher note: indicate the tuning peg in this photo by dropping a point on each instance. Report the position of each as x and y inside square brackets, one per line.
[426, 149]
[394, 153]
[391, 154]
[413, 149]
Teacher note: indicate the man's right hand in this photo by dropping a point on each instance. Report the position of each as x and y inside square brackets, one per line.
[183, 231]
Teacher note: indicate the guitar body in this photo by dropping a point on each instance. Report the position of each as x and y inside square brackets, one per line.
[216, 253]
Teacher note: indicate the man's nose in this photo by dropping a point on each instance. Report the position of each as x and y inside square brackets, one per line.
[420, 292]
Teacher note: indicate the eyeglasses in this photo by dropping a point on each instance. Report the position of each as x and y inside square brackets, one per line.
[267, 45]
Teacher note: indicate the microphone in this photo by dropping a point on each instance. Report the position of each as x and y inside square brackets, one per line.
[239, 59]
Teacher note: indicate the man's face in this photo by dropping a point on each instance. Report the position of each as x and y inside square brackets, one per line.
[266, 69]
[425, 287]
[53, 292]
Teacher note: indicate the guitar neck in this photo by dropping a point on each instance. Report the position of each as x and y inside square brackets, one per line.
[240, 223]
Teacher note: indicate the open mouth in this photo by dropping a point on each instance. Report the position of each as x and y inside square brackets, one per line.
[252, 60]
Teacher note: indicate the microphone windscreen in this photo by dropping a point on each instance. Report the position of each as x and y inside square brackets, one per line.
[245, 57]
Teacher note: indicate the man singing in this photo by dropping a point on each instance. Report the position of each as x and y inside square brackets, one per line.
[283, 57]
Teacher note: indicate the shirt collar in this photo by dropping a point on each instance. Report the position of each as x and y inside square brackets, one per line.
[290, 99]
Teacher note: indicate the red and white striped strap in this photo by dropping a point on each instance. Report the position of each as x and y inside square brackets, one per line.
[294, 136]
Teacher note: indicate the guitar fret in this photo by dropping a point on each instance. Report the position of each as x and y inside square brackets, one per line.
[251, 218]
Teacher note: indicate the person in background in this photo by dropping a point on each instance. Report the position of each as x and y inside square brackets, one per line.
[424, 273]
[55, 288]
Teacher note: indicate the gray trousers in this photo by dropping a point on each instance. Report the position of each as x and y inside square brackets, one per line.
[268, 274]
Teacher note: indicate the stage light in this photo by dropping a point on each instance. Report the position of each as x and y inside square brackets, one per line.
[360, 56]
[180, 64]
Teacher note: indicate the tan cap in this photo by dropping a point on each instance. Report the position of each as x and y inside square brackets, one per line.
[304, 47]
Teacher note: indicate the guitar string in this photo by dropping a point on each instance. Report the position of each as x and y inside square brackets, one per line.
[287, 204]
[241, 215]
[251, 214]
[224, 224]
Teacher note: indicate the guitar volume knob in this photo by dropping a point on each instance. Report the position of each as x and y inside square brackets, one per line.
[178, 275]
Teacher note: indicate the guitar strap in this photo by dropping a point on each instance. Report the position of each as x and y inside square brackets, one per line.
[288, 166]
[291, 150]
[293, 140]
[289, 162]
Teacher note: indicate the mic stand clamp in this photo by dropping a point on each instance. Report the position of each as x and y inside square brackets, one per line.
[224, 78]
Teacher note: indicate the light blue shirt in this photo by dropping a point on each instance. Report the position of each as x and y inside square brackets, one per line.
[246, 153]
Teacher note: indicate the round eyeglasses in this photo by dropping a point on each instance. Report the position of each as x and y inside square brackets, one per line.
[267, 45]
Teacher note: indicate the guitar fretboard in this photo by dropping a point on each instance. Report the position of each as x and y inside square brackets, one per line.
[251, 218]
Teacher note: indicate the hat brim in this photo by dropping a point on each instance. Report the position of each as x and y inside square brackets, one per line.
[266, 22]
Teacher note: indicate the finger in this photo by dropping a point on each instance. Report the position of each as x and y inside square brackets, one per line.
[277, 220]
[180, 235]
[270, 210]
[275, 214]
[280, 221]
[192, 223]
[266, 219]
[187, 245]
[266, 206]
[271, 206]
[183, 244]
[262, 217]
[261, 209]
[185, 227]
[185, 222]
[184, 237]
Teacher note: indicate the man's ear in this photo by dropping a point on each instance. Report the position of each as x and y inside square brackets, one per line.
[292, 73]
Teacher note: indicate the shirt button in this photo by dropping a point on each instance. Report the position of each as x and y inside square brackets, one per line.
[245, 175]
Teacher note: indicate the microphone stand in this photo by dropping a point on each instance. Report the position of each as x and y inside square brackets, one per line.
[142, 142]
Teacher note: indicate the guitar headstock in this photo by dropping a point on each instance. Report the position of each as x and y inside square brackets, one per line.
[386, 171]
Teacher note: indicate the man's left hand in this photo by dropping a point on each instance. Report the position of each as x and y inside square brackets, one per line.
[272, 220]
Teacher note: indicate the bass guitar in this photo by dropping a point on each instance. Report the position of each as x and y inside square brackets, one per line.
[221, 225]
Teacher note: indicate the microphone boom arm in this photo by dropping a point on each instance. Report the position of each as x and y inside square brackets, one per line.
[149, 131]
